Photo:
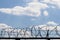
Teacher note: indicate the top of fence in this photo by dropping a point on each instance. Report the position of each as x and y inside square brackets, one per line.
[31, 32]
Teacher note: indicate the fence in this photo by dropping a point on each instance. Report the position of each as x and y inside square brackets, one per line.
[31, 32]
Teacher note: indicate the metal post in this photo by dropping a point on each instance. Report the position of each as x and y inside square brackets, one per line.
[48, 35]
[48, 39]
[17, 39]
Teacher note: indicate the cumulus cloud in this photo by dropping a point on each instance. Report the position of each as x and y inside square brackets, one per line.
[2, 26]
[32, 9]
[45, 13]
[48, 26]
[52, 23]
[53, 2]
[17, 10]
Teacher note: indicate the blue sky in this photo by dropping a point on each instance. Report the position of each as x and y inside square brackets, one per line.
[27, 17]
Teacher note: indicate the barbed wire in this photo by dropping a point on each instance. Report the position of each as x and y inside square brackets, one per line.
[30, 32]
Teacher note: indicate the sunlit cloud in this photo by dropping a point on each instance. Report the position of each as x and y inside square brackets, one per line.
[32, 9]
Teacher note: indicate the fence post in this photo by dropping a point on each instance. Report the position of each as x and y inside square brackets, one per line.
[48, 39]
[48, 35]
[17, 39]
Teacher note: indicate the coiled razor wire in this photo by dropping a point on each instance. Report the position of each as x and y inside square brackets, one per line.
[29, 32]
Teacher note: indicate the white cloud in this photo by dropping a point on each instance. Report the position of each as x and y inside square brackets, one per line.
[53, 2]
[32, 9]
[17, 10]
[2, 26]
[45, 13]
[52, 23]
[48, 26]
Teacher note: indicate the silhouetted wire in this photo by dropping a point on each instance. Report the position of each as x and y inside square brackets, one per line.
[35, 32]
